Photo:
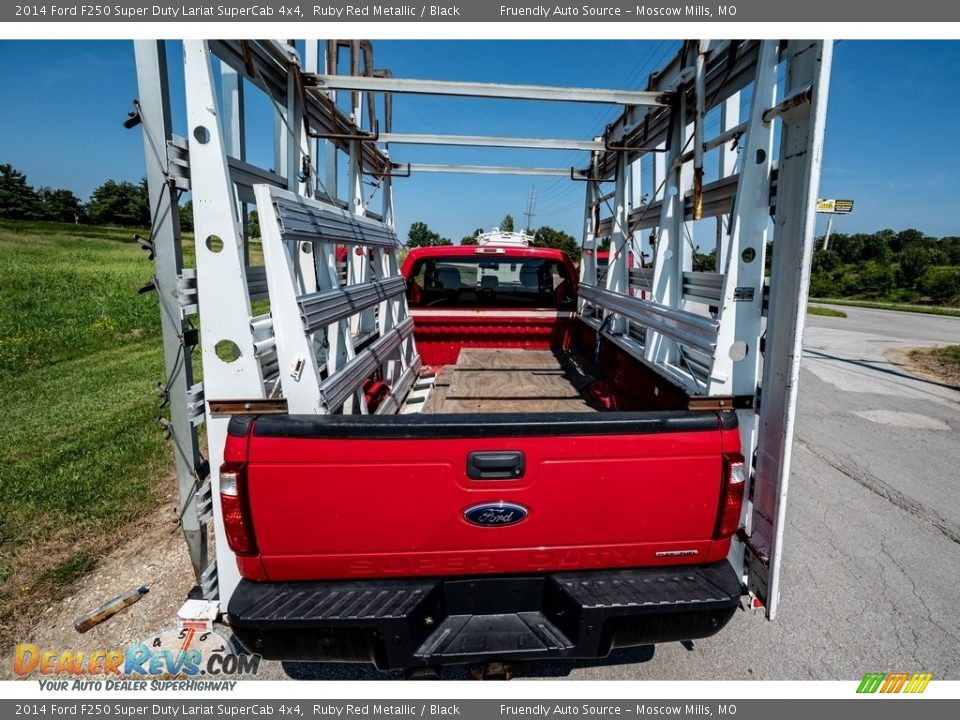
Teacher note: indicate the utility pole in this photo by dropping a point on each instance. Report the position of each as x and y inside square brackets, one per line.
[826, 237]
[531, 201]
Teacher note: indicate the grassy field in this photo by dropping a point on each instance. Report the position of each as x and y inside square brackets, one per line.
[825, 311]
[81, 453]
[899, 307]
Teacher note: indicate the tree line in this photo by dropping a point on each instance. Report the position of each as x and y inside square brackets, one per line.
[903, 267]
[112, 203]
[907, 266]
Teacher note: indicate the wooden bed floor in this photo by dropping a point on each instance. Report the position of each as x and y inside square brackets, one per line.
[512, 380]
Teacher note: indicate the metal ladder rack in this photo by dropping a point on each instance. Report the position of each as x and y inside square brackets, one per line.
[729, 335]
[245, 363]
[293, 224]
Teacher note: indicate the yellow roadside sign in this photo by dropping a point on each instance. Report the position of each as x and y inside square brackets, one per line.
[839, 207]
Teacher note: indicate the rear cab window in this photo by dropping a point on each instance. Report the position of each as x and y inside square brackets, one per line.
[483, 281]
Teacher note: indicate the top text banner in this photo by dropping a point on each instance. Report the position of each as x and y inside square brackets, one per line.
[619, 11]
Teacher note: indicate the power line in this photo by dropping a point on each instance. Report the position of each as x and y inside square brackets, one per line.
[531, 201]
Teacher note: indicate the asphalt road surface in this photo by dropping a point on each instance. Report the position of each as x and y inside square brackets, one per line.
[871, 576]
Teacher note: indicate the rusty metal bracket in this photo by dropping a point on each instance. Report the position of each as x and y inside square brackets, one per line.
[358, 136]
[385, 174]
[797, 99]
[248, 58]
[610, 147]
[721, 402]
[762, 556]
[583, 176]
[253, 406]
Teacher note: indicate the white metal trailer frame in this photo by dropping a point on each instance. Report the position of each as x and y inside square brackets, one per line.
[731, 337]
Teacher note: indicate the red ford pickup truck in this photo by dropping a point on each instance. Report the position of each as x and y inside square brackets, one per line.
[551, 497]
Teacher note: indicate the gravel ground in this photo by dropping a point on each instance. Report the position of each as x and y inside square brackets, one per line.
[151, 553]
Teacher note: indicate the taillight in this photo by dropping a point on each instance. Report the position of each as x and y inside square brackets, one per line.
[235, 506]
[731, 496]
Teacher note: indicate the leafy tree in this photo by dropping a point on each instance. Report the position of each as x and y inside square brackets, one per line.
[471, 239]
[422, 236]
[849, 247]
[890, 237]
[548, 237]
[186, 216]
[507, 223]
[704, 262]
[951, 246]
[939, 256]
[905, 238]
[877, 278]
[875, 247]
[941, 284]
[61, 206]
[914, 261]
[604, 243]
[253, 224]
[18, 200]
[120, 203]
[822, 285]
[851, 283]
[825, 260]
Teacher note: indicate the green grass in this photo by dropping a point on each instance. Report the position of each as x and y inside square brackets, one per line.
[825, 312]
[899, 307]
[80, 354]
[949, 355]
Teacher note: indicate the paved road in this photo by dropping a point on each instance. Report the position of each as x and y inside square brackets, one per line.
[871, 576]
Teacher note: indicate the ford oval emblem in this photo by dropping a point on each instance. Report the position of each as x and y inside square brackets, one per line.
[499, 514]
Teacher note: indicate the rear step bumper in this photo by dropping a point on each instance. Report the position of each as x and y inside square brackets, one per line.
[421, 622]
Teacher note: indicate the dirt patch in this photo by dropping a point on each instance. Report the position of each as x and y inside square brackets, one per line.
[150, 552]
[927, 362]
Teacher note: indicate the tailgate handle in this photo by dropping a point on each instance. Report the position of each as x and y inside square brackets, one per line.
[495, 465]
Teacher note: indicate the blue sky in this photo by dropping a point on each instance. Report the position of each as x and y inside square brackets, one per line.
[892, 138]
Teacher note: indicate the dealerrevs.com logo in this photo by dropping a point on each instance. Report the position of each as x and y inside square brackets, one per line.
[175, 658]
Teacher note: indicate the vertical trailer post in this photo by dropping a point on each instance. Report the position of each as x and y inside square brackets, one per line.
[726, 162]
[193, 486]
[234, 128]
[737, 361]
[591, 218]
[667, 285]
[803, 116]
[231, 368]
[330, 147]
[618, 267]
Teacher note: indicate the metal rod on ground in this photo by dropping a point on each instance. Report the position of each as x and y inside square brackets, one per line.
[109, 609]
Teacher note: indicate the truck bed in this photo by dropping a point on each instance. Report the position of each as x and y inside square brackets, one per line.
[487, 380]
